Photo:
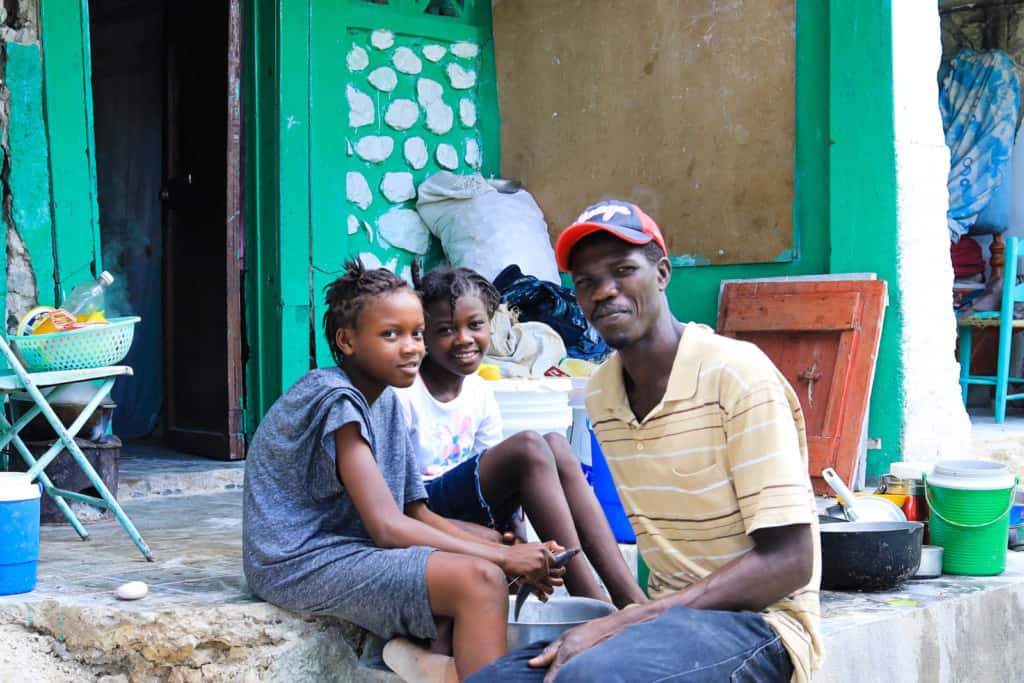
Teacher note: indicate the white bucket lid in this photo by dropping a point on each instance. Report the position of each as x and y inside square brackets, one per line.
[16, 486]
[971, 475]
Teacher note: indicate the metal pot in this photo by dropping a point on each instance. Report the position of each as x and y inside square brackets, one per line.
[548, 620]
[869, 555]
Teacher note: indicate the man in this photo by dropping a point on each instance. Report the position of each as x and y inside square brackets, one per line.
[705, 440]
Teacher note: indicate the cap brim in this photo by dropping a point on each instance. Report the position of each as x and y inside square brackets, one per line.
[577, 231]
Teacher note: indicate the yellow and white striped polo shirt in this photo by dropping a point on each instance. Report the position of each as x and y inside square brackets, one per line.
[722, 455]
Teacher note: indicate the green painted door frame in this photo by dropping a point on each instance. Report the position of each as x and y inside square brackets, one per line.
[67, 250]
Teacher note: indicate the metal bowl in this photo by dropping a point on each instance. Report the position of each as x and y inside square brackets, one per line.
[548, 620]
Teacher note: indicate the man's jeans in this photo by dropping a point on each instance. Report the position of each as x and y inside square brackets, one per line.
[682, 644]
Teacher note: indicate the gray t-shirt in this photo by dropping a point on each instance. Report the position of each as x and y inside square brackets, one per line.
[304, 544]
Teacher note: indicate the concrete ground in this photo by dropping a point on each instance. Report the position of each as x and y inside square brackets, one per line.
[201, 623]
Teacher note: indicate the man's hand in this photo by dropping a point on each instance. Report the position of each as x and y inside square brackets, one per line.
[576, 640]
[531, 561]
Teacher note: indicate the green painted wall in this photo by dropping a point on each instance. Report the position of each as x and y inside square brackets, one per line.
[862, 213]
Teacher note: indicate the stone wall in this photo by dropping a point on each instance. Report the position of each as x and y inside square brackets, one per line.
[19, 25]
[936, 425]
[999, 26]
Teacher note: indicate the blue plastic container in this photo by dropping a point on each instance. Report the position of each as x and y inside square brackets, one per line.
[607, 495]
[19, 533]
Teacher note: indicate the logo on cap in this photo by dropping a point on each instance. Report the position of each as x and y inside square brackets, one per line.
[606, 211]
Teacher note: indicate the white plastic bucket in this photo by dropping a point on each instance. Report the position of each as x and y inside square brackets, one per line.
[539, 405]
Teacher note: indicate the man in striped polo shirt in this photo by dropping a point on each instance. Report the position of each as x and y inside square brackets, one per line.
[705, 440]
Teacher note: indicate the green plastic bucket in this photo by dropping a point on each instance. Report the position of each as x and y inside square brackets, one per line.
[970, 503]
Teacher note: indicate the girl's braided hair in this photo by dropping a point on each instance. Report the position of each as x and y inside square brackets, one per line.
[346, 297]
[450, 284]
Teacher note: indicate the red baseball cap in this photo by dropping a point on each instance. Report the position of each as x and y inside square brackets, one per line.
[622, 219]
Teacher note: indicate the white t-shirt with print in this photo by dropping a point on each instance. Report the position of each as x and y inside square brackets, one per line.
[444, 435]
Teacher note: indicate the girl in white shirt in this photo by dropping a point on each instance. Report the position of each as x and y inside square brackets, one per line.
[471, 474]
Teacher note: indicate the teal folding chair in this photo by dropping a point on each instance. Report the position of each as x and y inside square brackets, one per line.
[1003, 319]
[43, 387]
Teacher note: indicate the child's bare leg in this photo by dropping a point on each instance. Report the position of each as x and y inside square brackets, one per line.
[521, 470]
[474, 594]
[595, 533]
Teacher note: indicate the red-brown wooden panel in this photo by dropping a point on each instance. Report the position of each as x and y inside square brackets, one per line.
[823, 336]
[789, 312]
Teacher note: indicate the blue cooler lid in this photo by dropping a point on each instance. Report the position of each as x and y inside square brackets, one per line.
[16, 486]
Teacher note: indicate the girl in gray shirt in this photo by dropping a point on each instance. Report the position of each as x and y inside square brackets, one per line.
[334, 518]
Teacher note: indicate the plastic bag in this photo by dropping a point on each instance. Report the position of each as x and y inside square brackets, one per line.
[484, 229]
[545, 302]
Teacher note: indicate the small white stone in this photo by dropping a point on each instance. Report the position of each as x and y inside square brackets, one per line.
[434, 52]
[357, 190]
[439, 118]
[406, 61]
[348, 147]
[369, 231]
[415, 152]
[383, 78]
[404, 229]
[382, 39]
[133, 590]
[375, 148]
[402, 114]
[360, 107]
[473, 153]
[465, 50]
[370, 260]
[353, 225]
[461, 79]
[447, 157]
[398, 187]
[428, 91]
[467, 112]
[357, 59]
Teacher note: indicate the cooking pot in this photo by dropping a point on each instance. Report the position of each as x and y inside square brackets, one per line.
[96, 428]
[869, 555]
[548, 620]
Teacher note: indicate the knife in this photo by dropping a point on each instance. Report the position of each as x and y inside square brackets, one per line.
[561, 559]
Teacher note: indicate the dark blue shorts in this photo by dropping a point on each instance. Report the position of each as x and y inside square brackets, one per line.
[456, 494]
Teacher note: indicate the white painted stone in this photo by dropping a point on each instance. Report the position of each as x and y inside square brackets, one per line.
[406, 61]
[357, 190]
[369, 230]
[465, 50]
[370, 260]
[382, 39]
[398, 187]
[461, 79]
[434, 52]
[402, 114]
[360, 107]
[375, 148]
[353, 225]
[415, 152]
[428, 91]
[348, 147]
[406, 274]
[383, 78]
[472, 153]
[467, 112]
[439, 118]
[404, 229]
[447, 157]
[935, 423]
[133, 590]
[357, 59]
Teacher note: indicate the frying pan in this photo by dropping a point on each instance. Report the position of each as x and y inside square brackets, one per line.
[869, 555]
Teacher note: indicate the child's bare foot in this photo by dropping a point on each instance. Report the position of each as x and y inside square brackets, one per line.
[416, 664]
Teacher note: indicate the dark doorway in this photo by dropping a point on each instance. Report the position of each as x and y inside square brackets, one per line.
[167, 176]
